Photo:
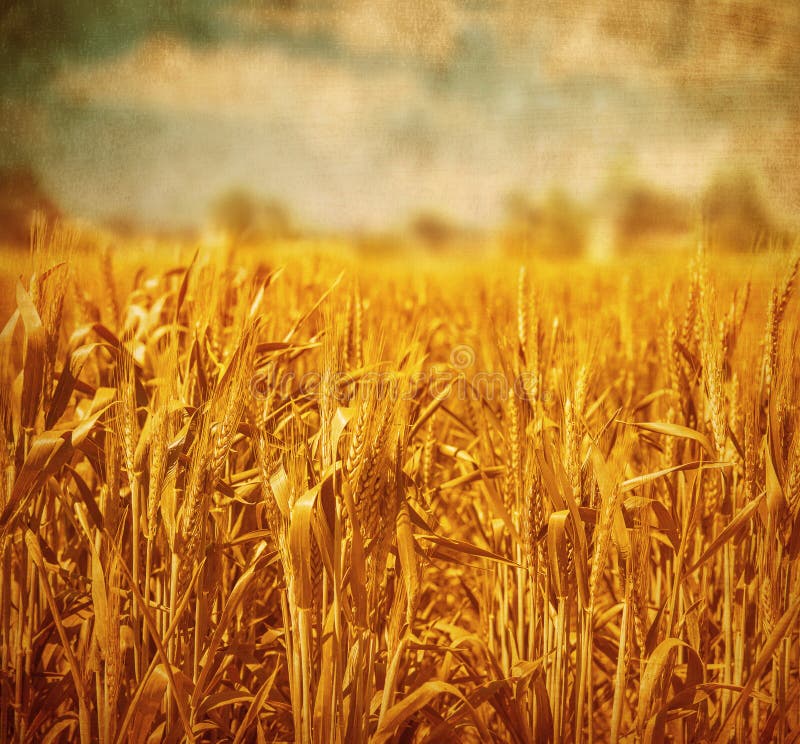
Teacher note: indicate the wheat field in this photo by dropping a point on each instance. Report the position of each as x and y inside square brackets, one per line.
[269, 496]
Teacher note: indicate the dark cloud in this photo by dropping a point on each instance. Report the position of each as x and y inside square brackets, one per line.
[38, 37]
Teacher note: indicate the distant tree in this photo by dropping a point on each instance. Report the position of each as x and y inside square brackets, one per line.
[736, 212]
[564, 224]
[556, 226]
[432, 230]
[647, 215]
[122, 225]
[21, 194]
[245, 216]
[234, 212]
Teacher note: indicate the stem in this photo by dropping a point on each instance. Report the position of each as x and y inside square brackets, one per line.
[622, 657]
[727, 624]
[135, 569]
[148, 568]
[556, 694]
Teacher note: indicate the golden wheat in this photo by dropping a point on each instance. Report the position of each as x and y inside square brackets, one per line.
[245, 504]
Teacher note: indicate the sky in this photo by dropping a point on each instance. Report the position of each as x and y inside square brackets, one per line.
[358, 114]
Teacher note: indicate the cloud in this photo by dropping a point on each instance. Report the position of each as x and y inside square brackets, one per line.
[358, 112]
[233, 80]
[352, 146]
[38, 38]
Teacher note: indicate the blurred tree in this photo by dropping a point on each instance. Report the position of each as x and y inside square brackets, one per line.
[234, 213]
[123, 225]
[556, 226]
[247, 217]
[432, 230]
[736, 212]
[647, 217]
[21, 195]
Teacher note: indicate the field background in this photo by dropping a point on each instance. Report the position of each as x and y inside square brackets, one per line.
[278, 494]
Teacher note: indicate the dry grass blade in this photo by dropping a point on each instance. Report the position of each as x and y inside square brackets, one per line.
[150, 699]
[422, 696]
[675, 430]
[34, 355]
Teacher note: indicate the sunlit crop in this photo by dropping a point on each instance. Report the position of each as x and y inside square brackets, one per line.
[251, 495]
